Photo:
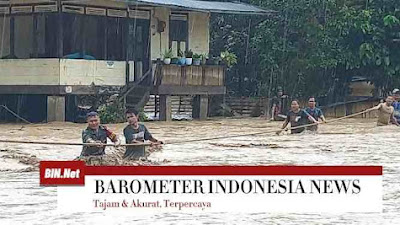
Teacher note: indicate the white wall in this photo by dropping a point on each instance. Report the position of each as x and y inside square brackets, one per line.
[61, 72]
[86, 72]
[199, 35]
[159, 14]
[29, 72]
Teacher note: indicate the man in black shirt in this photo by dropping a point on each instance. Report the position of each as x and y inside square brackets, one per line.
[136, 133]
[297, 117]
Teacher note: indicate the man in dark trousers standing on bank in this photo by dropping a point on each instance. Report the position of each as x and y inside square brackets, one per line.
[136, 133]
[96, 134]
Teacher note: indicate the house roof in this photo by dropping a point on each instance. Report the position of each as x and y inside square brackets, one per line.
[206, 6]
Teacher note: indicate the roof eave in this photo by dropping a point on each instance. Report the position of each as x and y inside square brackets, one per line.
[262, 13]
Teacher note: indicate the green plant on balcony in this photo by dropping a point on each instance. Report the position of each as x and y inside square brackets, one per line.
[181, 59]
[228, 58]
[189, 53]
[167, 56]
[204, 58]
[189, 57]
[197, 59]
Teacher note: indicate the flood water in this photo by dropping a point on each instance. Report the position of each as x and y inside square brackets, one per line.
[348, 142]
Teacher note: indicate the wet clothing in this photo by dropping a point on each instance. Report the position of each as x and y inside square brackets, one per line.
[89, 136]
[131, 134]
[297, 119]
[396, 106]
[316, 113]
[385, 114]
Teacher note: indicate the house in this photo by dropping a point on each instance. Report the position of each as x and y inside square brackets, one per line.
[52, 51]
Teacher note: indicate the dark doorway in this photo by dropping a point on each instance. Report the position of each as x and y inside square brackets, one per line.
[178, 33]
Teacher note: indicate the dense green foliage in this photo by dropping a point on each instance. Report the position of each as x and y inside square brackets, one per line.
[311, 47]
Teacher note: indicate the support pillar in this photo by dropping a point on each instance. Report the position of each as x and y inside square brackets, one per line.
[55, 108]
[165, 108]
[200, 107]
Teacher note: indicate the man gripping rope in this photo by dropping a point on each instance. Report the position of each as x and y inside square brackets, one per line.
[96, 134]
[314, 112]
[386, 112]
[297, 117]
[136, 133]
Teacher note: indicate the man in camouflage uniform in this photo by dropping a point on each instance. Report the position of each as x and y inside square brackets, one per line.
[96, 134]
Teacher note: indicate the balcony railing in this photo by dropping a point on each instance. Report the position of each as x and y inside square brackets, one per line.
[202, 75]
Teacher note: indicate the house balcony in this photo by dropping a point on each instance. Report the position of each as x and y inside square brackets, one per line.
[189, 80]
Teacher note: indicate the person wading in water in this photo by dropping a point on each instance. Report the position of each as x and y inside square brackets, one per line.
[296, 117]
[136, 133]
[386, 112]
[314, 112]
[279, 106]
[96, 134]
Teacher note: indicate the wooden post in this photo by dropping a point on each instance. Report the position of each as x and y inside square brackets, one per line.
[200, 107]
[165, 108]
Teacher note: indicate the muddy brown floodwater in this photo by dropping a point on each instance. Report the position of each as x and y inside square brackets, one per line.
[349, 142]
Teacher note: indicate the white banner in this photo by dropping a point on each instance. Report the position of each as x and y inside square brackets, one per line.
[154, 194]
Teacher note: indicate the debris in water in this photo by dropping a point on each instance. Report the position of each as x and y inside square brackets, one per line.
[245, 145]
[115, 158]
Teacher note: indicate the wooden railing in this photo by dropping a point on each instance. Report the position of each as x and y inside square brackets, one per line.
[203, 75]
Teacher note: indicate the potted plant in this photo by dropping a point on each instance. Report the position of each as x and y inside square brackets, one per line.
[213, 60]
[167, 56]
[204, 58]
[189, 57]
[196, 59]
[228, 58]
[174, 60]
[181, 59]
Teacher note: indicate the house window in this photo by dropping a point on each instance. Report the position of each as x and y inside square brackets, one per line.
[178, 33]
[83, 36]
[116, 32]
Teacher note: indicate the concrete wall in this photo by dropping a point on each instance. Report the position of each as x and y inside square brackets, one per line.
[29, 72]
[61, 72]
[55, 108]
[86, 72]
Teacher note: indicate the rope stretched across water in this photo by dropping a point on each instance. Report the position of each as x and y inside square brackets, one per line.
[272, 131]
[186, 141]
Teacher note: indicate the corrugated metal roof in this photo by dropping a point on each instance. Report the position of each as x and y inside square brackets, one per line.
[206, 6]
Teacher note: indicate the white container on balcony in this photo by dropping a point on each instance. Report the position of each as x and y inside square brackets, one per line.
[189, 61]
[167, 61]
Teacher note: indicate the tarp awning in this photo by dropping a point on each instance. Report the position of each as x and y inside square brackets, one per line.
[206, 6]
